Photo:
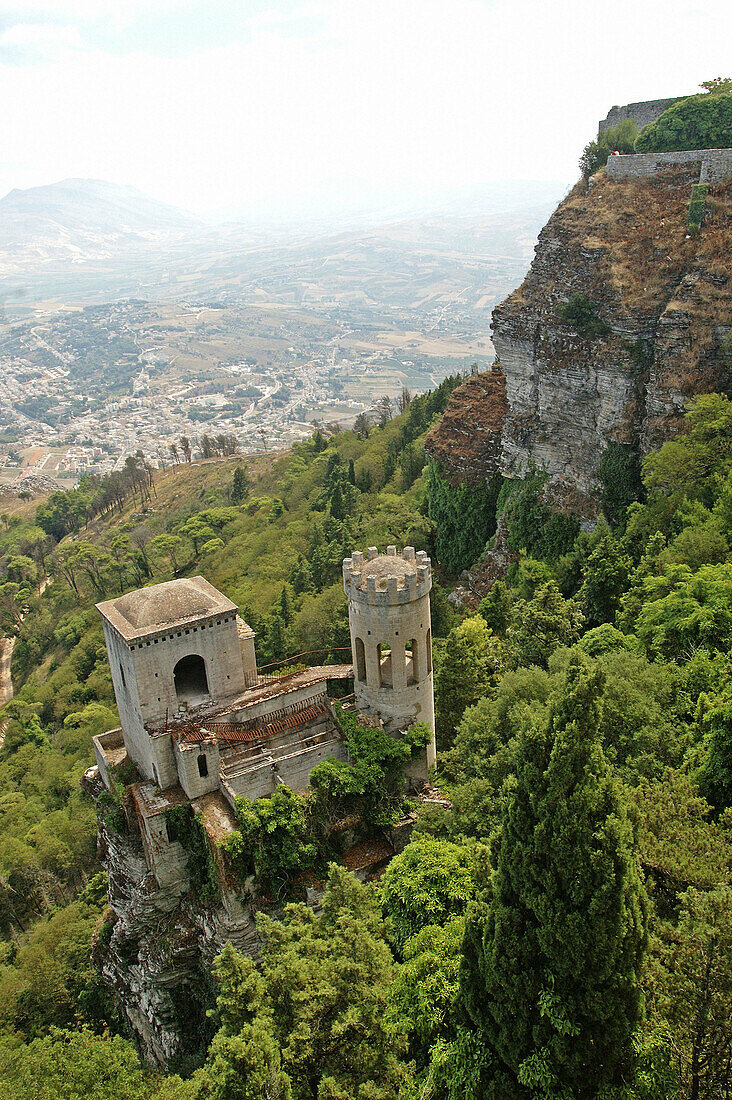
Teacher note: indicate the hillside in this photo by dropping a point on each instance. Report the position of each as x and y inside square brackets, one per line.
[82, 219]
[606, 648]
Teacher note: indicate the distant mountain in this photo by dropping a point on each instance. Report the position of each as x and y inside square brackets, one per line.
[79, 219]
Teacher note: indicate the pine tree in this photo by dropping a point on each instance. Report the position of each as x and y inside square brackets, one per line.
[550, 975]
[285, 606]
[240, 485]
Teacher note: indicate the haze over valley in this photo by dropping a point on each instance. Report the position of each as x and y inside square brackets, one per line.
[129, 324]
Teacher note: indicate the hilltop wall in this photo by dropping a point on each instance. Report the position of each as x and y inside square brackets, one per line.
[641, 113]
[713, 165]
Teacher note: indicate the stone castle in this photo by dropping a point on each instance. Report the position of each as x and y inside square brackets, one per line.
[201, 726]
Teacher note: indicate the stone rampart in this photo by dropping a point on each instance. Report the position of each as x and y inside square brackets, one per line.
[715, 165]
[641, 113]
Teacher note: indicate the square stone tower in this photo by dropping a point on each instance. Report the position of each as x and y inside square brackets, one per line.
[172, 647]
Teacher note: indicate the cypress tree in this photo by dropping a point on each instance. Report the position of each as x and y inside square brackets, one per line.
[551, 960]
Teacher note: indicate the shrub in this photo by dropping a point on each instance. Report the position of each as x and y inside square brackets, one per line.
[697, 206]
[699, 122]
[532, 525]
[464, 517]
[621, 137]
[620, 478]
[580, 313]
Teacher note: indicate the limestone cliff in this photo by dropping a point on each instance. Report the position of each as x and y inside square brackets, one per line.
[157, 947]
[664, 297]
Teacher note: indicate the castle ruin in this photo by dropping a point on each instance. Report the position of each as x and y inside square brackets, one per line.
[202, 726]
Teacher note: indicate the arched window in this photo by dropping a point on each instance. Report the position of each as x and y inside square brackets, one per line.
[412, 660]
[383, 653]
[360, 660]
[202, 765]
[191, 682]
[429, 652]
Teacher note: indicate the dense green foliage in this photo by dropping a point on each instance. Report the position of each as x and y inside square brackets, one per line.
[580, 313]
[620, 138]
[697, 206]
[553, 951]
[698, 122]
[560, 926]
[464, 517]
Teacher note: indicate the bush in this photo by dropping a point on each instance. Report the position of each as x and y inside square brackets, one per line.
[620, 478]
[697, 206]
[699, 122]
[580, 313]
[532, 525]
[621, 137]
[464, 517]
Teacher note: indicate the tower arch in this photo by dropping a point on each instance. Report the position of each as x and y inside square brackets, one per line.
[191, 680]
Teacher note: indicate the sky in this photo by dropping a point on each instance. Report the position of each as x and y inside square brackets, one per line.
[267, 108]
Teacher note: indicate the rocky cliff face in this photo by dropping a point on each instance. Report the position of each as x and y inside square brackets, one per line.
[158, 947]
[665, 299]
[467, 441]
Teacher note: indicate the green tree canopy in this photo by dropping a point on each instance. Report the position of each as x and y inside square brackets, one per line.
[699, 122]
[552, 955]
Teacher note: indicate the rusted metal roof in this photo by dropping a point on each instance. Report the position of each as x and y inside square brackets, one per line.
[257, 729]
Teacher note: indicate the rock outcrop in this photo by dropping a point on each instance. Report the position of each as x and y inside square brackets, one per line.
[467, 441]
[664, 297]
[156, 949]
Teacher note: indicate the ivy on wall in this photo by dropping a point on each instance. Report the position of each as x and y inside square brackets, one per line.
[186, 827]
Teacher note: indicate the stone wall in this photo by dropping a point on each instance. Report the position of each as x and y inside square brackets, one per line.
[641, 113]
[715, 165]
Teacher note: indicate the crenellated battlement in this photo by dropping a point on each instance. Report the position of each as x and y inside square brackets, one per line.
[387, 579]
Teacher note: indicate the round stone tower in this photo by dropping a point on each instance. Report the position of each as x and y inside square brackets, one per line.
[389, 615]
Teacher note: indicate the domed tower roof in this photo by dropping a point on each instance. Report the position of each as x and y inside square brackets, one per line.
[165, 606]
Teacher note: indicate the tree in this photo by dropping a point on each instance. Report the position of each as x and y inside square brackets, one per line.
[323, 995]
[427, 985]
[427, 883]
[552, 954]
[542, 624]
[715, 780]
[469, 670]
[240, 486]
[697, 122]
[79, 1065]
[595, 154]
[384, 410]
[684, 610]
[244, 1056]
[606, 577]
[185, 446]
[362, 426]
[170, 547]
[695, 995]
[719, 85]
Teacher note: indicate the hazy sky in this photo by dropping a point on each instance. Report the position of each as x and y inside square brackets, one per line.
[268, 106]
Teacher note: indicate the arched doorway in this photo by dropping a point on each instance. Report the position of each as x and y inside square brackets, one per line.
[191, 682]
